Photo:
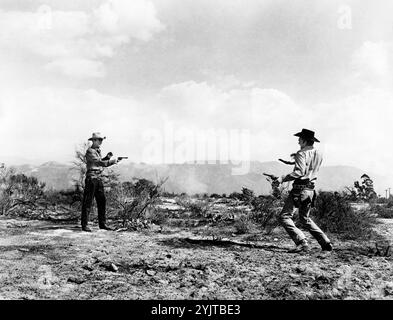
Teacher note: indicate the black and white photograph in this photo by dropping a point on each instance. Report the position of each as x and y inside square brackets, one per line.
[199, 151]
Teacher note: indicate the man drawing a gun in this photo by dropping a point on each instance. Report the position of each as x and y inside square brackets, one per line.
[307, 162]
[94, 187]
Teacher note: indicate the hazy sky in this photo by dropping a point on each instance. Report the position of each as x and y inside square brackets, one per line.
[128, 68]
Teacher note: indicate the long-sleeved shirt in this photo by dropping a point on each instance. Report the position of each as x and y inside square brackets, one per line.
[95, 164]
[307, 163]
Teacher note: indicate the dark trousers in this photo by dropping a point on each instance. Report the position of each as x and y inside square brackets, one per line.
[94, 188]
[303, 202]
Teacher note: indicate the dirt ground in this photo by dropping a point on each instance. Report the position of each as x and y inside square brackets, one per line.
[48, 260]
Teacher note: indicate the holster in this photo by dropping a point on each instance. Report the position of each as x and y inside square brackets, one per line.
[298, 187]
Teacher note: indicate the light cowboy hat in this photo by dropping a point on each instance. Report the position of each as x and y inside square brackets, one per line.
[97, 135]
[307, 135]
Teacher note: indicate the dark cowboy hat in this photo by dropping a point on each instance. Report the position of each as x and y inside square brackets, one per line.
[307, 135]
[97, 135]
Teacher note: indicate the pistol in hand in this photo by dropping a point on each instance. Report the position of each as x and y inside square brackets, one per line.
[271, 176]
[108, 156]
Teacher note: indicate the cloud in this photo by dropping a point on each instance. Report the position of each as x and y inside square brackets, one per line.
[79, 68]
[55, 119]
[372, 62]
[354, 130]
[357, 129]
[243, 106]
[49, 121]
[269, 115]
[66, 39]
[131, 19]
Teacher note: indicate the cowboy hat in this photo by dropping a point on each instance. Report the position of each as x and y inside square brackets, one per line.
[97, 135]
[307, 135]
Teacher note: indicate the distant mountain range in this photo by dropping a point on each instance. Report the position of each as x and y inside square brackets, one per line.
[205, 178]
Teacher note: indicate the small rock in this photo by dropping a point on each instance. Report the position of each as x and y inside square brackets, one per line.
[300, 269]
[162, 281]
[24, 249]
[335, 292]
[388, 290]
[76, 280]
[323, 278]
[109, 266]
[151, 272]
[88, 268]
[114, 267]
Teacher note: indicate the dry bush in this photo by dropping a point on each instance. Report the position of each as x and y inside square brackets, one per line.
[131, 200]
[383, 210]
[263, 208]
[243, 224]
[19, 194]
[158, 217]
[71, 197]
[264, 212]
[247, 195]
[197, 208]
[236, 196]
[333, 213]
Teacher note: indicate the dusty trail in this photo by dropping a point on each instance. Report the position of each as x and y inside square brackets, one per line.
[47, 260]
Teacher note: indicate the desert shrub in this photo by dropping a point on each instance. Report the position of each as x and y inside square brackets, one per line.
[18, 192]
[243, 224]
[363, 191]
[389, 204]
[236, 196]
[195, 207]
[247, 195]
[168, 194]
[264, 212]
[158, 217]
[383, 210]
[333, 213]
[132, 199]
[71, 197]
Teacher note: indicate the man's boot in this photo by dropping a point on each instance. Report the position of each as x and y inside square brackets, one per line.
[86, 229]
[327, 247]
[301, 247]
[105, 227]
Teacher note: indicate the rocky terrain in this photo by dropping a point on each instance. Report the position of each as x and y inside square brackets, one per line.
[186, 259]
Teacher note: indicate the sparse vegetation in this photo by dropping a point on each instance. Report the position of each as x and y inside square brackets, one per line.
[132, 200]
[223, 224]
[334, 214]
[196, 208]
[363, 191]
[19, 194]
[265, 211]
[158, 217]
[383, 210]
[243, 224]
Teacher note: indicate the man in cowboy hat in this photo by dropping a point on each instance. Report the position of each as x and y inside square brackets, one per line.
[94, 187]
[307, 163]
